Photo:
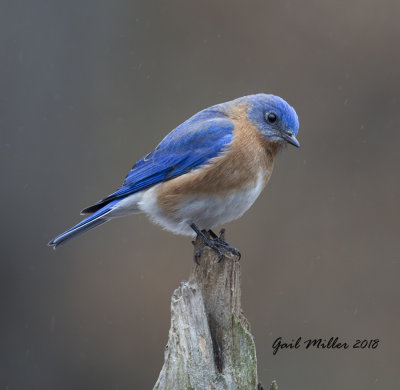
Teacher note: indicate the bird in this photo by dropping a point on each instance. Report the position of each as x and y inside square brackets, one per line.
[206, 172]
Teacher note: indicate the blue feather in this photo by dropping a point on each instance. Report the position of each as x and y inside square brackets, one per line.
[96, 219]
[189, 146]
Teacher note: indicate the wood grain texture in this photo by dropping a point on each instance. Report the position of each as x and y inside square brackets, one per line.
[210, 345]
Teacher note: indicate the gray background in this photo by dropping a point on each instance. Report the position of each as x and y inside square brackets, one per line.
[89, 87]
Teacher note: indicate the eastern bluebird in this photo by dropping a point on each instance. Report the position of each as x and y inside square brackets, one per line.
[206, 172]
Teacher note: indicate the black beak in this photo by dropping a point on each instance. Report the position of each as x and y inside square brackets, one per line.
[289, 137]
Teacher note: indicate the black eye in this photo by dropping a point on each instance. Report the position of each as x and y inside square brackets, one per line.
[271, 117]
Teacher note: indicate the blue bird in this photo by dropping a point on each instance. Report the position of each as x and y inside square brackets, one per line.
[206, 172]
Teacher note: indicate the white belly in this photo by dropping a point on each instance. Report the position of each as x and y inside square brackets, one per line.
[206, 211]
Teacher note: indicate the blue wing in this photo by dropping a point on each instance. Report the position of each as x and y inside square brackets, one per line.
[189, 146]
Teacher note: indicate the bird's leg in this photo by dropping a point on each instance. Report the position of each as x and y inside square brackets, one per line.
[216, 243]
[207, 242]
[224, 244]
[212, 234]
[221, 240]
[221, 234]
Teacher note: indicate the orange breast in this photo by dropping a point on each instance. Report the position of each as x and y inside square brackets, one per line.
[237, 168]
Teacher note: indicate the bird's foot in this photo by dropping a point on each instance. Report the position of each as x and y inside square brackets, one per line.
[221, 234]
[221, 240]
[217, 243]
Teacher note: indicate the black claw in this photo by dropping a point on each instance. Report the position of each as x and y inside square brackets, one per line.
[216, 243]
[212, 234]
[226, 246]
[197, 255]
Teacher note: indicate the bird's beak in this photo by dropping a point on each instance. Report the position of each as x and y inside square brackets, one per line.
[289, 137]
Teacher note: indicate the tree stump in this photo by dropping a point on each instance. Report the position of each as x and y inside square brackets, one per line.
[210, 345]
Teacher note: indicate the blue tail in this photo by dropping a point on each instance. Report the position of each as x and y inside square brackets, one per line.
[96, 219]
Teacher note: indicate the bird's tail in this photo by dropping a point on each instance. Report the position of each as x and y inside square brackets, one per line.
[96, 219]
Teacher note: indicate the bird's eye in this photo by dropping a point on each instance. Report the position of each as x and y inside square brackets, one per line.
[271, 117]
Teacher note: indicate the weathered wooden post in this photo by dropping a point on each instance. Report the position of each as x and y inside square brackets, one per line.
[210, 345]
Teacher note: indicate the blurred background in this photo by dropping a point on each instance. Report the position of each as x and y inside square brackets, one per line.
[88, 87]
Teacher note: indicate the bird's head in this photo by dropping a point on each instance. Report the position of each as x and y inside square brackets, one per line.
[274, 118]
